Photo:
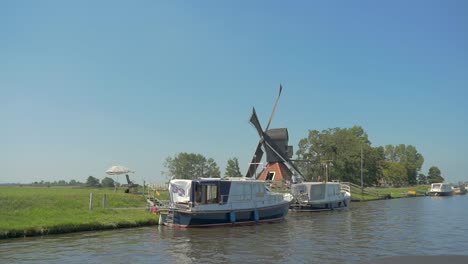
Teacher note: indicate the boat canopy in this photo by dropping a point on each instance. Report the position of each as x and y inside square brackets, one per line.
[179, 191]
[199, 191]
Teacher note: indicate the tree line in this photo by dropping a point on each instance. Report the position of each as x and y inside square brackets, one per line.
[192, 166]
[90, 182]
[57, 183]
[343, 154]
[347, 153]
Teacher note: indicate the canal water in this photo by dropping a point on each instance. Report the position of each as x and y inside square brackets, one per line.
[366, 231]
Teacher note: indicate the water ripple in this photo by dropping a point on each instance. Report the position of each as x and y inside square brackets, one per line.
[417, 226]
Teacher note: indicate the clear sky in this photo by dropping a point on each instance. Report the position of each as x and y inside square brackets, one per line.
[85, 85]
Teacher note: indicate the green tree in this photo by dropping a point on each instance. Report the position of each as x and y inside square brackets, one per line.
[390, 153]
[62, 183]
[191, 166]
[232, 168]
[373, 164]
[408, 156]
[74, 182]
[434, 175]
[413, 162]
[107, 182]
[310, 151]
[342, 148]
[422, 179]
[211, 169]
[395, 174]
[92, 182]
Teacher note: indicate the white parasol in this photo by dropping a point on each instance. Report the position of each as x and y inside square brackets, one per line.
[117, 170]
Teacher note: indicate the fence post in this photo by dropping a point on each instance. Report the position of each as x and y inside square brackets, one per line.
[104, 200]
[90, 201]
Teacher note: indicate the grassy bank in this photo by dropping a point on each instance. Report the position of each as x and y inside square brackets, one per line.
[402, 192]
[29, 211]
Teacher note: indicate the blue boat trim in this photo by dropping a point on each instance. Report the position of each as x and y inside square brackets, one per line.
[186, 218]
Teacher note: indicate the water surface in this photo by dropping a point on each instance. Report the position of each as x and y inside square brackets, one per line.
[368, 230]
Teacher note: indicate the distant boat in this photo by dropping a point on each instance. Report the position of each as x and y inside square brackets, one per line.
[214, 201]
[320, 196]
[440, 189]
[460, 190]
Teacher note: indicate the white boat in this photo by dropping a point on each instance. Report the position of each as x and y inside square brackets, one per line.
[227, 201]
[460, 190]
[440, 189]
[320, 196]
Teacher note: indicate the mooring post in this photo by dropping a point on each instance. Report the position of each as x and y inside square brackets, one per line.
[90, 201]
[104, 200]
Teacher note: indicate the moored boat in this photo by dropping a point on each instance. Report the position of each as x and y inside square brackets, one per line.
[320, 196]
[228, 201]
[440, 189]
[460, 190]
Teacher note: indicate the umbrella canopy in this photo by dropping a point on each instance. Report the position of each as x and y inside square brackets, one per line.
[116, 170]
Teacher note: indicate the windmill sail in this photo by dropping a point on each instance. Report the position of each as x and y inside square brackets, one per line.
[275, 144]
[255, 161]
[274, 107]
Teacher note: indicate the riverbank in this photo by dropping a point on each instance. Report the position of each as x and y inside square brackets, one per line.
[36, 211]
[371, 194]
[33, 211]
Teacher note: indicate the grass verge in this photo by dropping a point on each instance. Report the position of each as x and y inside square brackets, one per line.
[402, 192]
[32, 211]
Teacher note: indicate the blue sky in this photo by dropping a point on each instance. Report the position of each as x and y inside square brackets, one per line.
[85, 85]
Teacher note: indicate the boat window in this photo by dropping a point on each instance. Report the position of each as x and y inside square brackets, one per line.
[198, 193]
[212, 194]
[206, 194]
[317, 192]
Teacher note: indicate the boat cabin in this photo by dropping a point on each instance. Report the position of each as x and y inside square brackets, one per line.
[440, 187]
[210, 191]
[316, 191]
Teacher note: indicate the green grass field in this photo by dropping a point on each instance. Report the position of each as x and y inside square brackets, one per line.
[393, 192]
[29, 211]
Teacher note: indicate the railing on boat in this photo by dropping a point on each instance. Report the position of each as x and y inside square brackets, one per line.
[157, 186]
[345, 186]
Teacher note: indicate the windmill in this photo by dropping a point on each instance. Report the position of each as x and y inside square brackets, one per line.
[278, 153]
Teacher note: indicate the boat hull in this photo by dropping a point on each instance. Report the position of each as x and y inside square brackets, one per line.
[440, 193]
[188, 218]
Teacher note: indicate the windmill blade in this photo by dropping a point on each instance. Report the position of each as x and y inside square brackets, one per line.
[255, 161]
[271, 145]
[274, 108]
[254, 121]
